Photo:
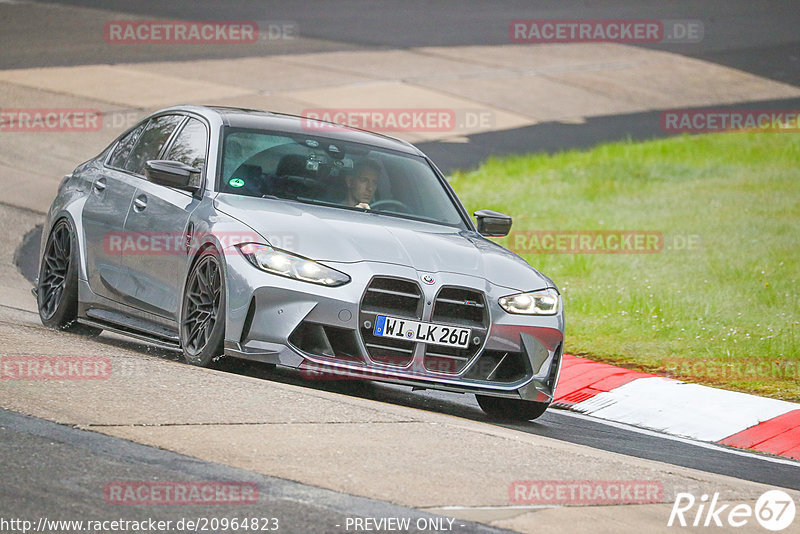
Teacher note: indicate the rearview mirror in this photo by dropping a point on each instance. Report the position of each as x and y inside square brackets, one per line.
[173, 174]
[493, 223]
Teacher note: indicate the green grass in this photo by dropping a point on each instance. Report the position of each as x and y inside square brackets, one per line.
[726, 313]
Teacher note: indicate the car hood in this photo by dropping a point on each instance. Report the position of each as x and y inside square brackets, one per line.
[336, 235]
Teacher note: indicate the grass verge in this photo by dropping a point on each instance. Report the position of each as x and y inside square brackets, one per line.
[716, 301]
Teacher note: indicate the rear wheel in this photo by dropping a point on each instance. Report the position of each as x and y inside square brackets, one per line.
[511, 409]
[57, 289]
[202, 328]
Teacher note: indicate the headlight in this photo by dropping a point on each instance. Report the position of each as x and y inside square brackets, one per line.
[284, 264]
[544, 302]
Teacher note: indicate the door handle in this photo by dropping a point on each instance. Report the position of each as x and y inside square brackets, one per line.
[189, 236]
[140, 203]
[99, 185]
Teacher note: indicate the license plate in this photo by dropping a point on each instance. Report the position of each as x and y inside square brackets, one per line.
[435, 334]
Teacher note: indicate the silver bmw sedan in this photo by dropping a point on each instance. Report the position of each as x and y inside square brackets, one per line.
[300, 243]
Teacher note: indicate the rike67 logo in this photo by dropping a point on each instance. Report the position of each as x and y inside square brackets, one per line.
[774, 510]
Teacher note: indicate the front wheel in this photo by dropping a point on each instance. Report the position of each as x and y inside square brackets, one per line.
[202, 328]
[57, 288]
[511, 409]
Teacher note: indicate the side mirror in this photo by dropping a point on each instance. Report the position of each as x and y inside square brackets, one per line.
[173, 174]
[493, 223]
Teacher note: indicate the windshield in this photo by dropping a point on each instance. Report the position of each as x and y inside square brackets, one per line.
[334, 173]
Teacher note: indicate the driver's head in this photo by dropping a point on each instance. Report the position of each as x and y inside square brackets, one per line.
[361, 186]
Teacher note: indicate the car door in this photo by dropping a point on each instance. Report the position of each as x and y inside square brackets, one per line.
[151, 141]
[163, 213]
[103, 217]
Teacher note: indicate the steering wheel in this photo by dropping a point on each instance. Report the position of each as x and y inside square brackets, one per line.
[399, 206]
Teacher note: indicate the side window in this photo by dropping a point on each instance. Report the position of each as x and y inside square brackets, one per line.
[190, 145]
[151, 141]
[124, 147]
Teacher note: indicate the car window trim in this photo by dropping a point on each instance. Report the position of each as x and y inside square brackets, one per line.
[146, 121]
[146, 124]
[123, 135]
[453, 196]
[179, 130]
[174, 136]
[171, 139]
[460, 209]
[288, 135]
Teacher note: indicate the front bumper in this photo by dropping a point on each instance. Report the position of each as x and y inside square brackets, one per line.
[326, 332]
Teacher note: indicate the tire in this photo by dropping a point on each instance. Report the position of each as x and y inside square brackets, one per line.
[202, 326]
[57, 287]
[511, 409]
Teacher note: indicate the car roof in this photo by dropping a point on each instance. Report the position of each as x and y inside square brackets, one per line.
[267, 120]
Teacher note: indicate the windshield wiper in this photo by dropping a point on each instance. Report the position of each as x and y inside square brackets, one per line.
[409, 216]
[318, 202]
[396, 214]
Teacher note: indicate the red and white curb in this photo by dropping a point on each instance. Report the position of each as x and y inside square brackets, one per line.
[679, 408]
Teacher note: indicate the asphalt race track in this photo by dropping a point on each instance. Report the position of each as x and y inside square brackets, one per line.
[556, 424]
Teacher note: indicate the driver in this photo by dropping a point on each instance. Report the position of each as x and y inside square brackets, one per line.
[361, 186]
